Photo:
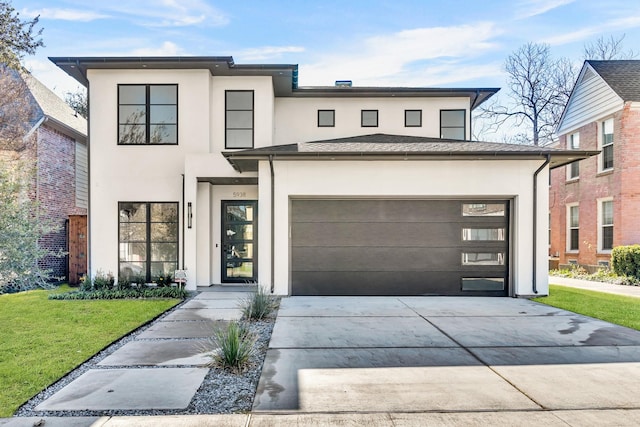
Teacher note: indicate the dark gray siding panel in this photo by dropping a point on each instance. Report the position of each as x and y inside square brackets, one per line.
[388, 247]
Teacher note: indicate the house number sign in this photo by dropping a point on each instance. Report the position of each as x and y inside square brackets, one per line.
[238, 194]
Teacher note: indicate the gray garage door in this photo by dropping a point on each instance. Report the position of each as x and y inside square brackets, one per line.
[399, 247]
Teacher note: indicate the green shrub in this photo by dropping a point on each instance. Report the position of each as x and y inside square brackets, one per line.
[625, 260]
[234, 347]
[258, 305]
[133, 293]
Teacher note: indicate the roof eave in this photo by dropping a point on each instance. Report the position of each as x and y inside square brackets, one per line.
[248, 162]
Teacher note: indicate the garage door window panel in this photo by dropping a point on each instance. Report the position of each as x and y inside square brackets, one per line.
[482, 258]
[483, 284]
[483, 234]
[483, 209]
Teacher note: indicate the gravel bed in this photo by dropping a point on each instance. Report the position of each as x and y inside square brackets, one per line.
[220, 392]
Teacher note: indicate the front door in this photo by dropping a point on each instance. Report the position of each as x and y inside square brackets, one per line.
[239, 244]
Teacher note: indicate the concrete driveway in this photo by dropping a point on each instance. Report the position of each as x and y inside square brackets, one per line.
[414, 354]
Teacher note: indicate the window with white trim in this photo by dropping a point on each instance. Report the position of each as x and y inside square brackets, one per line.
[573, 228]
[573, 170]
[606, 157]
[606, 225]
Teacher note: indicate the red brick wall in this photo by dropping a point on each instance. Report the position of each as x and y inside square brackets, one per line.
[622, 184]
[56, 190]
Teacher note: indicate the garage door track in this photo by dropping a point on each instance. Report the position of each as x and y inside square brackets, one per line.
[414, 354]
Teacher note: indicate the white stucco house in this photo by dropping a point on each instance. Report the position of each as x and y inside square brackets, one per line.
[237, 174]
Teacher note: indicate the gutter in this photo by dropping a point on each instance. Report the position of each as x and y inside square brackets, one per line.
[273, 245]
[535, 222]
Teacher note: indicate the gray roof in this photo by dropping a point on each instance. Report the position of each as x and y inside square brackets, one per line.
[55, 110]
[622, 75]
[385, 146]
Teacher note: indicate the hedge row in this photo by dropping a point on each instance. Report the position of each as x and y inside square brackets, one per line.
[166, 292]
[625, 260]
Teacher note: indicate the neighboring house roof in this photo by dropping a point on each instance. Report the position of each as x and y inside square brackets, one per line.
[384, 146]
[285, 76]
[622, 76]
[602, 88]
[54, 111]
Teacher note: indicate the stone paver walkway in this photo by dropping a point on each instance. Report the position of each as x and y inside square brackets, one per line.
[161, 368]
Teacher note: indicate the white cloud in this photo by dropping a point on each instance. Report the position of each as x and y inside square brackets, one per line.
[402, 56]
[587, 32]
[64, 14]
[168, 13]
[166, 49]
[266, 53]
[530, 8]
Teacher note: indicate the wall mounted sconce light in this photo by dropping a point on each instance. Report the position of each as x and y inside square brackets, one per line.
[189, 215]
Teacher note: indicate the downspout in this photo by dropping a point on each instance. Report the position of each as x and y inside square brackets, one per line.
[184, 219]
[273, 245]
[535, 221]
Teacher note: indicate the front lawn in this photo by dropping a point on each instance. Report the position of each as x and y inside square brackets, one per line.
[618, 309]
[41, 340]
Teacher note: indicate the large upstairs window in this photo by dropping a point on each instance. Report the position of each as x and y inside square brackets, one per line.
[452, 124]
[147, 114]
[239, 118]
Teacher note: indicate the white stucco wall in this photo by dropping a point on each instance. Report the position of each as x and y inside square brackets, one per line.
[120, 173]
[297, 118]
[411, 179]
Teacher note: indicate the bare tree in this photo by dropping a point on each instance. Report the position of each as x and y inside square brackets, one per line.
[538, 88]
[608, 48]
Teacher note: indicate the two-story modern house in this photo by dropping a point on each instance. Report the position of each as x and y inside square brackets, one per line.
[595, 203]
[238, 174]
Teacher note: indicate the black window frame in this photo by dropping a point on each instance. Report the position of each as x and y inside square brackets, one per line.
[148, 241]
[333, 118]
[253, 118]
[419, 117]
[463, 127]
[147, 106]
[362, 113]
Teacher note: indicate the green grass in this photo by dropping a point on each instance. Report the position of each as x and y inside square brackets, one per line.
[41, 340]
[618, 309]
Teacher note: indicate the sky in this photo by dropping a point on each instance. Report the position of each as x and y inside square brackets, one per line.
[411, 43]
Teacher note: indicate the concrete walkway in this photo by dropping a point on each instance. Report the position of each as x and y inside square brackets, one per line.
[162, 368]
[610, 288]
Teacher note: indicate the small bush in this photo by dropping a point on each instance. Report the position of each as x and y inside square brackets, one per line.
[259, 305]
[234, 347]
[625, 260]
[103, 281]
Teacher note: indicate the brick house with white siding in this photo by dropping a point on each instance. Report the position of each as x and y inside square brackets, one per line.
[595, 203]
[56, 143]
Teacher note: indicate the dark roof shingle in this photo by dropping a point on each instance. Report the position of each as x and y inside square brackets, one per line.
[622, 75]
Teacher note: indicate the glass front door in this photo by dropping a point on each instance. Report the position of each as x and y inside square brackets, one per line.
[239, 241]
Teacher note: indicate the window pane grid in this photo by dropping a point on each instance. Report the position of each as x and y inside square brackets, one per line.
[239, 106]
[147, 114]
[607, 225]
[148, 240]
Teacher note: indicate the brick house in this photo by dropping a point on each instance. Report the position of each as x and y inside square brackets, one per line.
[56, 144]
[595, 203]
